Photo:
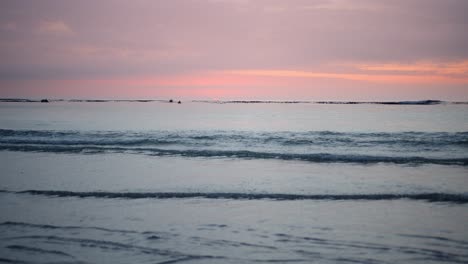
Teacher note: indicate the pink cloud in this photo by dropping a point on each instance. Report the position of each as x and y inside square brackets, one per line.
[9, 26]
[55, 27]
[367, 77]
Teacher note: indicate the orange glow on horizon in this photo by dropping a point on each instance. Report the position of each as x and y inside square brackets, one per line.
[372, 80]
[274, 78]
[450, 68]
[380, 78]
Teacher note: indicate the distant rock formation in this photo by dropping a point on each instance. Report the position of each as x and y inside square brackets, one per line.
[179, 102]
[171, 101]
[44, 101]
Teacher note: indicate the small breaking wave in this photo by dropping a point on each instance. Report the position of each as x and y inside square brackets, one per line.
[251, 102]
[243, 154]
[421, 102]
[418, 102]
[45, 226]
[430, 197]
[37, 250]
[24, 100]
[113, 101]
[416, 148]
[10, 136]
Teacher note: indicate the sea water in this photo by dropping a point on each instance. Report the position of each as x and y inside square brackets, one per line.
[233, 182]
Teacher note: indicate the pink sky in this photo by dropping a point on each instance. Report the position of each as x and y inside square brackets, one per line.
[235, 49]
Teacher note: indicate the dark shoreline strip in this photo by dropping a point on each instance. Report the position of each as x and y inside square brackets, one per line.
[430, 197]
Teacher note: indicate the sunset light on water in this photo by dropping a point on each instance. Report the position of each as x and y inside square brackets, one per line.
[234, 131]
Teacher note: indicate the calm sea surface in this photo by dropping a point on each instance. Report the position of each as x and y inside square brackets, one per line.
[154, 182]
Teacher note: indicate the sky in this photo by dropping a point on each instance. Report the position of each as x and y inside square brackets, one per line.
[235, 49]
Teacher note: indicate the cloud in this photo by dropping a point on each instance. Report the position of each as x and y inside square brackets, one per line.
[9, 26]
[448, 68]
[345, 5]
[55, 27]
[436, 77]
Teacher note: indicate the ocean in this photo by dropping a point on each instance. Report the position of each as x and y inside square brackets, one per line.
[96, 181]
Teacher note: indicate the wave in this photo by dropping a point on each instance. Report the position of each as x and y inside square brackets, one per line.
[170, 256]
[115, 101]
[274, 247]
[430, 197]
[9, 136]
[37, 250]
[251, 102]
[421, 102]
[18, 100]
[15, 261]
[23, 100]
[45, 226]
[417, 102]
[244, 154]
[315, 146]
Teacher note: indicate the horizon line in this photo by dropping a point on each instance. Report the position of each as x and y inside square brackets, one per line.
[71, 100]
